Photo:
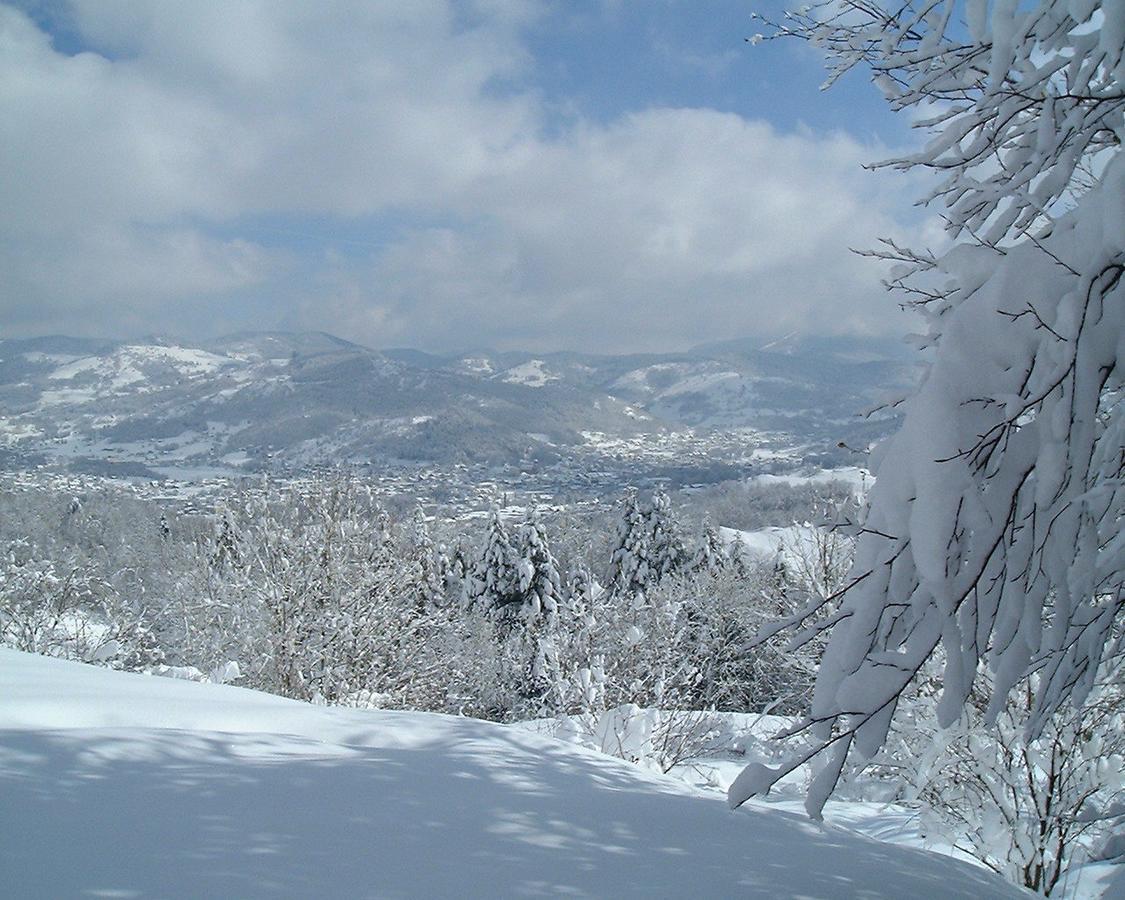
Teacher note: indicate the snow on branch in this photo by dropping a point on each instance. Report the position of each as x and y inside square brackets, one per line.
[994, 530]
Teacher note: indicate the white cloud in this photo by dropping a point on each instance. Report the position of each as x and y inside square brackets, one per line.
[668, 227]
[119, 171]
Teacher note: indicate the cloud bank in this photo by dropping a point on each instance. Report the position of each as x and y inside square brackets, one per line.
[391, 173]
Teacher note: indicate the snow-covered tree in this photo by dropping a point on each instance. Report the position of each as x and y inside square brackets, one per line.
[540, 584]
[383, 537]
[812, 564]
[226, 550]
[581, 659]
[711, 556]
[492, 580]
[49, 608]
[460, 565]
[1027, 808]
[995, 527]
[628, 565]
[648, 545]
[429, 565]
[666, 553]
[528, 630]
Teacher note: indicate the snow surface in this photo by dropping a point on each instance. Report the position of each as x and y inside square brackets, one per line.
[531, 373]
[797, 545]
[124, 366]
[703, 382]
[769, 541]
[859, 479]
[124, 785]
[728, 741]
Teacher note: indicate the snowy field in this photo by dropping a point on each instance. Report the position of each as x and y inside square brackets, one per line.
[121, 785]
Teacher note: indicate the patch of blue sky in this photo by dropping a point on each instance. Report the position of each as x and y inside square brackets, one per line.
[347, 237]
[55, 20]
[601, 61]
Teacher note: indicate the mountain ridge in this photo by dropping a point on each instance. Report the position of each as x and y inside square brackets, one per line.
[256, 399]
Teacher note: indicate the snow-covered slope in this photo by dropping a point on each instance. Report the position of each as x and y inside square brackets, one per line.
[133, 786]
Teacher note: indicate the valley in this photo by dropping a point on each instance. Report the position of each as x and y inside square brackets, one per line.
[444, 428]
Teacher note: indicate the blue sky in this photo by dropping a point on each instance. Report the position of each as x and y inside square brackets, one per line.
[607, 176]
[608, 59]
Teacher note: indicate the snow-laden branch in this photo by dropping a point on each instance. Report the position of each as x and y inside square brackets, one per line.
[995, 524]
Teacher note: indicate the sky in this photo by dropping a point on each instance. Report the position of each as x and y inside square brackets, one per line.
[601, 176]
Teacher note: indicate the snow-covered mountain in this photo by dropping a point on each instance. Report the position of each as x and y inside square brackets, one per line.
[123, 785]
[305, 399]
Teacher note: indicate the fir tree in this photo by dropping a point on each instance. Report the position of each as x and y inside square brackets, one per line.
[493, 580]
[666, 549]
[629, 570]
[226, 550]
[712, 555]
[540, 583]
[648, 546]
[429, 564]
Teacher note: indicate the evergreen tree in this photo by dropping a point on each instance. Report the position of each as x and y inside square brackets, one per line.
[629, 570]
[428, 564]
[712, 556]
[666, 553]
[493, 581]
[460, 565]
[648, 545]
[384, 539]
[540, 583]
[529, 627]
[226, 544]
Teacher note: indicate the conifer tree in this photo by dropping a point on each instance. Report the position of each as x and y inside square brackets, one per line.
[540, 583]
[493, 581]
[712, 555]
[666, 552]
[648, 545]
[629, 571]
[429, 563]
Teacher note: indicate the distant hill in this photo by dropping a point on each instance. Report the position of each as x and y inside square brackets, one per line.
[297, 400]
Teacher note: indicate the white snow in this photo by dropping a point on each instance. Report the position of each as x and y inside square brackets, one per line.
[531, 373]
[794, 542]
[780, 342]
[477, 364]
[67, 397]
[37, 357]
[726, 742]
[860, 479]
[704, 382]
[125, 376]
[639, 379]
[12, 432]
[124, 366]
[189, 360]
[72, 369]
[125, 785]
[764, 543]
